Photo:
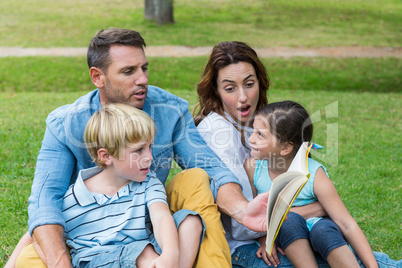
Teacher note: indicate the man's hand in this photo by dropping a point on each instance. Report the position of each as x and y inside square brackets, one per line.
[232, 202]
[255, 213]
[48, 241]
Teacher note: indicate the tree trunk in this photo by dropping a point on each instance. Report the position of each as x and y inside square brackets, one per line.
[160, 11]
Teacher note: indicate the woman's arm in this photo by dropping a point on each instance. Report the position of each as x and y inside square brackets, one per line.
[249, 167]
[329, 198]
[311, 210]
[165, 232]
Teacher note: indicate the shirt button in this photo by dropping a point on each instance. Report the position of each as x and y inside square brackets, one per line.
[236, 258]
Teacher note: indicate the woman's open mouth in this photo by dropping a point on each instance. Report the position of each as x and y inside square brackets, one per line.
[244, 110]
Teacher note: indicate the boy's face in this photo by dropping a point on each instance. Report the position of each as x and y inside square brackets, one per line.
[134, 162]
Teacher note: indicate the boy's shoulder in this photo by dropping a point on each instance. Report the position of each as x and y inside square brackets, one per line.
[78, 191]
[152, 179]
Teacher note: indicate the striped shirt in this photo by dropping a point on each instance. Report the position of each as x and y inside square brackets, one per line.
[95, 223]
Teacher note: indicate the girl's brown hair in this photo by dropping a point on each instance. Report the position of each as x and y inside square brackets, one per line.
[289, 122]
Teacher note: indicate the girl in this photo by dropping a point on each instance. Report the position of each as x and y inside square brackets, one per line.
[279, 130]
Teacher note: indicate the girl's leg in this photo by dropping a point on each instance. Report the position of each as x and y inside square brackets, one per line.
[342, 257]
[189, 240]
[301, 254]
[327, 239]
[293, 239]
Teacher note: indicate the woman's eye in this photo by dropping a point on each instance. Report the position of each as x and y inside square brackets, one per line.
[229, 89]
[251, 84]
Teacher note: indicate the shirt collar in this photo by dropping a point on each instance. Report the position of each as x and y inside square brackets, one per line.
[85, 197]
[81, 193]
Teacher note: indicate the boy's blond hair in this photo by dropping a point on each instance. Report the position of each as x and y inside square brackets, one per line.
[115, 127]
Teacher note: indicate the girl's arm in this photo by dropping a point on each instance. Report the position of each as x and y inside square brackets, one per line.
[311, 210]
[165, 233]
[249, 166]
[329, 198]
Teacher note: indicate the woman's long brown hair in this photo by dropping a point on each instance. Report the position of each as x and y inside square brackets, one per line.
[224, 54]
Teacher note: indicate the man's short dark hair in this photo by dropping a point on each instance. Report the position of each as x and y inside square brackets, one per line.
[99, 47]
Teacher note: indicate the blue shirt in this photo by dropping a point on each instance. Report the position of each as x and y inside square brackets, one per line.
[63, 153]
[96, 223]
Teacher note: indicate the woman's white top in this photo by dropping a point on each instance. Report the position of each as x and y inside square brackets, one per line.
[225, 140]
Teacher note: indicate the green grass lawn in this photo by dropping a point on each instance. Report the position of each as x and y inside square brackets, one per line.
[355, 103]
[66, 74]
[363, 160]
[47, 23]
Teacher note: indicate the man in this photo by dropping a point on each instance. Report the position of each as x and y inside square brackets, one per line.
[118, 68]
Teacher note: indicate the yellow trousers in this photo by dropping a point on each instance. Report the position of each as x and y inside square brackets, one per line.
[29, 258]
[189, 189]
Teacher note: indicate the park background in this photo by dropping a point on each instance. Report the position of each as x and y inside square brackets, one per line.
[365, 93]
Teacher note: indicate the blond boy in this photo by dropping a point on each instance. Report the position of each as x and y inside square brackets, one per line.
[117, 213]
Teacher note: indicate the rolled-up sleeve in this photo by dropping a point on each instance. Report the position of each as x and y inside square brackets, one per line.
[54, 169]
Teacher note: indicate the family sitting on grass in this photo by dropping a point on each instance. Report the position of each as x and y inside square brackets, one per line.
[100, 198]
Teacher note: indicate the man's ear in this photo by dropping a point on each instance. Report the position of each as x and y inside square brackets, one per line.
[97, 77]
[287, 148]
[104, 156]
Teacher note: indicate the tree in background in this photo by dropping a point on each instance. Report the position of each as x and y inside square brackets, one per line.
[160, 11]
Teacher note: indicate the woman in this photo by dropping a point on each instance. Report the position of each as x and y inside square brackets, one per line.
[232, 88]
[221, 114]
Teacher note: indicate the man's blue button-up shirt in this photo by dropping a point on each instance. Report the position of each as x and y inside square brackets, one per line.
[63, 153]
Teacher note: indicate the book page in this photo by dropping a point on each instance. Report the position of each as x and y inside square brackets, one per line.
[282, 206]
[299, 163]
[277, 185]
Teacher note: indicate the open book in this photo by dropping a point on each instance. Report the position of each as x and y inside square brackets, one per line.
[284, 191]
